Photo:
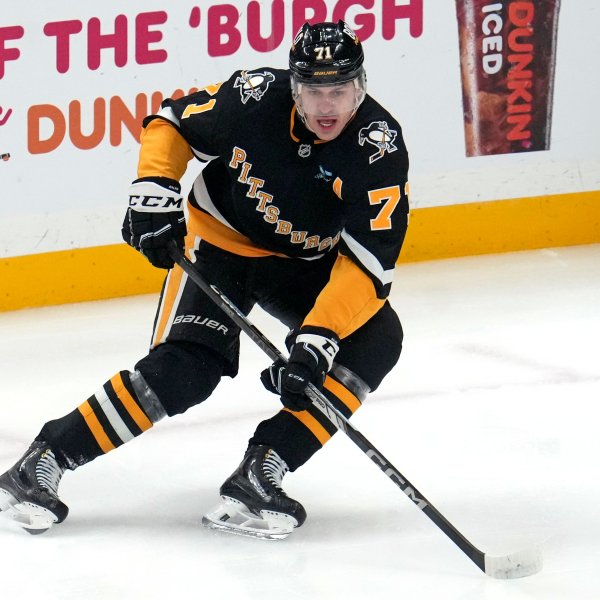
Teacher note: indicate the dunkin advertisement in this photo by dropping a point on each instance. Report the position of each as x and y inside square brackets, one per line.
[481, 88]
[508, 59]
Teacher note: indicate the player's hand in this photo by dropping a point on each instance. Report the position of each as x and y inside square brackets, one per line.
[312, 350]
[155, 217]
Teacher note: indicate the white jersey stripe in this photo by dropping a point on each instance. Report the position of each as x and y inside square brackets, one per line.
[202, 156]
[204, 201]
[168, 114]
[368, 260]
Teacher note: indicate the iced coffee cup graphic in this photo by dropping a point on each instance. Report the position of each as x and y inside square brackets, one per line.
[508, 55]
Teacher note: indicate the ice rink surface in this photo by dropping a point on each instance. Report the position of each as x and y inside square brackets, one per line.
[492, 412]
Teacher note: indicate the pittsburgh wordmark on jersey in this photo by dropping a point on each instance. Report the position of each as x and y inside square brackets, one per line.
[271, 211]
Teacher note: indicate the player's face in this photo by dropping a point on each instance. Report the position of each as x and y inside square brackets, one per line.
[328, 108]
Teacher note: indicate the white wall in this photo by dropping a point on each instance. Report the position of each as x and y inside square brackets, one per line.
[70, 198]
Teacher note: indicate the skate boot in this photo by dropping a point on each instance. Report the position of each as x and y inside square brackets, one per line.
[252, 500]
[29, 491]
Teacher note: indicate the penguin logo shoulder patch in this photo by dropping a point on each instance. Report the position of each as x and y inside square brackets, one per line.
[378, 134]
[253, 85]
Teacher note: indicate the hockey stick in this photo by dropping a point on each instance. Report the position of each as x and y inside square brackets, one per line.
[509, 566]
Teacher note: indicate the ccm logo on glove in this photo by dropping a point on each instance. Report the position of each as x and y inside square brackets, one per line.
[152, 203]
[154, 218]
[312, 350]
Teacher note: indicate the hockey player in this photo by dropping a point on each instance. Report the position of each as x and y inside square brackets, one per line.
[301, 208]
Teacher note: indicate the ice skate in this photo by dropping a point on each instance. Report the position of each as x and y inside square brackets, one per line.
[29, 490]
[253, 503]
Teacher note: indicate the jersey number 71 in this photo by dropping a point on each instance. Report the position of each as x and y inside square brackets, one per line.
[389, 196]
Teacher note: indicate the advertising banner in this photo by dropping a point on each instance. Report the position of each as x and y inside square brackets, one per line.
[497, 100]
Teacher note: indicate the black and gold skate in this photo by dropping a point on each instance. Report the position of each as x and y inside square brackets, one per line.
[29, 490]
[252, 500]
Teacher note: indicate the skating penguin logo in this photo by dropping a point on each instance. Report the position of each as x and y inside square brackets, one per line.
[253, 85]
[324, 174]
[379, 135]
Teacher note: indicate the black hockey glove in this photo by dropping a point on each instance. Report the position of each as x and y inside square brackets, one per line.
[312, 350]
[155, 217]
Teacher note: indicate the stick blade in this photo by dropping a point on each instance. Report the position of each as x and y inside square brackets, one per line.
[515, 565]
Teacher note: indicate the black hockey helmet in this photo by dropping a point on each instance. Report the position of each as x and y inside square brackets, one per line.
[326, 54]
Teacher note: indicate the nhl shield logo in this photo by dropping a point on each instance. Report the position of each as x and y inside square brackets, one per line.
[253, 85]
[304, 150]
[378, 134]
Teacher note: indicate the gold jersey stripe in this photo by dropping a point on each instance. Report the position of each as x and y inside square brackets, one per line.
[137, 414]
[94, 425]
[311, 424]
[340, 311]
[167, 302]
[214, 232]
[342, 393]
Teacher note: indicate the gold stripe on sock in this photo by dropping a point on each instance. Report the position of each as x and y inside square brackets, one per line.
[342, 393]
[311, 424]
[94, 425]
[137, 414]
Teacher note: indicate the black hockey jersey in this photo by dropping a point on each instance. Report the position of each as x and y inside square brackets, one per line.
[270, 186]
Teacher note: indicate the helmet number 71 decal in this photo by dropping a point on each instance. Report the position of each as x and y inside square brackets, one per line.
[389, 196]
[323, 53]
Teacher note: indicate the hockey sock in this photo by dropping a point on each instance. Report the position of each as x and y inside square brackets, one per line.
[296, 436]
[123, 408]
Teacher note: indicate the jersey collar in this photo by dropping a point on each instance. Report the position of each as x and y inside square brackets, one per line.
[298, 131]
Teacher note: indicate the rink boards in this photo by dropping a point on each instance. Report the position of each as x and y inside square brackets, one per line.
[434, 233]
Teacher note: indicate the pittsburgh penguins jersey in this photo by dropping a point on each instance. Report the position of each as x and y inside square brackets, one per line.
[270, 186]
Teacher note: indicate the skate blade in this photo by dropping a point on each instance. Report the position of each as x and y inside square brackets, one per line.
[232, 516]
[33, 518]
